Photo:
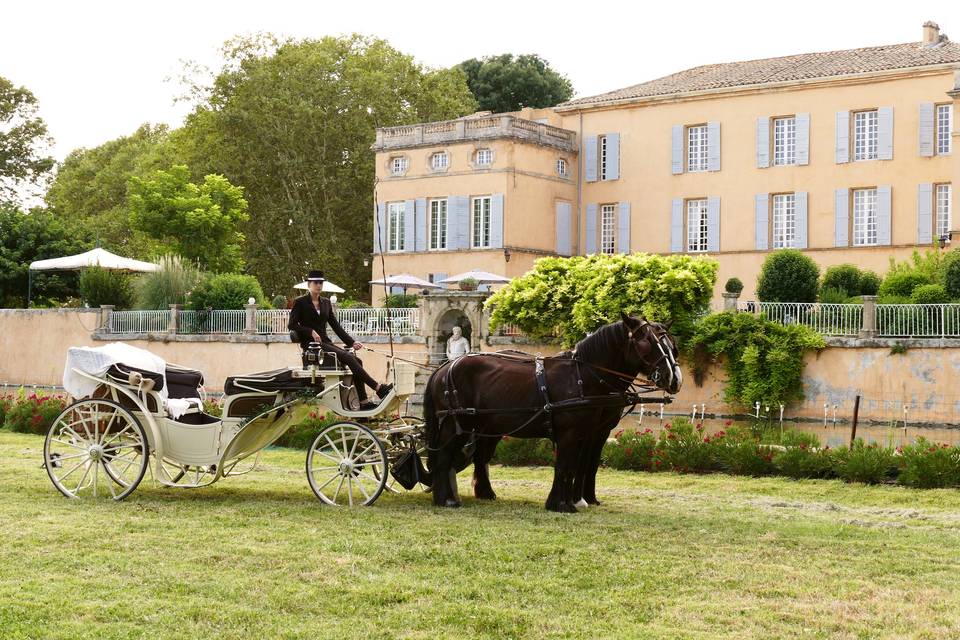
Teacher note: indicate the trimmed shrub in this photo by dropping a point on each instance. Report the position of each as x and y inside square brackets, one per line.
[630, 450]
[682, 448]
[734, 285]
[841, 277]
[833, 295]
[869, 283]
[929, 466]
[170, 284]
[99, 286]
[5, 405]
[225, 291]
[804, 462]
[524, 452]
[929, 294]
[279, 302]
[951, 279]
[870, 464]
[788, 275]
[34, 413]
[900, 285]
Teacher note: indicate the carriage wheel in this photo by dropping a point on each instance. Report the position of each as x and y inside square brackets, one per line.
[347, 465]
[95, 437]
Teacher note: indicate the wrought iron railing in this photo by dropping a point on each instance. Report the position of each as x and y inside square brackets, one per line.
[139, 321]
[918, 320]
[826, 319]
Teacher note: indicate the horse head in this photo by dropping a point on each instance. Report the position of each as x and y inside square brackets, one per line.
[652, 349]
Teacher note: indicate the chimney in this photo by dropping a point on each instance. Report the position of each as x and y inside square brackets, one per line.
[931, 33]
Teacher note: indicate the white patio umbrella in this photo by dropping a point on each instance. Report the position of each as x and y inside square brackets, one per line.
[406, 281]
[482, 277]
[328, 287]
[94, 258]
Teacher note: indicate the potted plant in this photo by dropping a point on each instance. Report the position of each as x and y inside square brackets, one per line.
[468, 284]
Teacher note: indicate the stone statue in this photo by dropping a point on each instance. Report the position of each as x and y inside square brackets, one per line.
[457, 345]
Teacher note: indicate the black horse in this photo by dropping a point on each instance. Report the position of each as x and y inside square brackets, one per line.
[479, 398]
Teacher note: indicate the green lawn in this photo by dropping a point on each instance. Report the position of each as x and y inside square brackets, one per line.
[666, 556]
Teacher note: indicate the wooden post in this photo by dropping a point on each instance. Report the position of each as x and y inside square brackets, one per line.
[856, 415]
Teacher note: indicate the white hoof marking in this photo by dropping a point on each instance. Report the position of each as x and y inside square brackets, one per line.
[582, 504]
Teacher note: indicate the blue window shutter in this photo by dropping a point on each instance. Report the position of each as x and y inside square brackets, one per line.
[924, 213]
[713, 224]
[800, 211]
[380, 229]
[496, 220]
[762, 217]
[420, 215]
[763, 143]
[713, 146]
[841, 216]
[459, 232]
[613, 156]
[437, 277]
[803, 138]
[883, 215]
[623, 230]
[591, 240]
[885, 133]
[563, 228]
[590, 158]
[451, 238]
[409, 225]
[676, 149]
[843, 137]
[676, 226]
[926, 129]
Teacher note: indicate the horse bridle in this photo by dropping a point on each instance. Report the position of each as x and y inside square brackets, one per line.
[661, 340]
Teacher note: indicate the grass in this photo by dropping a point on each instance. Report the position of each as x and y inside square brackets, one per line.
[666, 556]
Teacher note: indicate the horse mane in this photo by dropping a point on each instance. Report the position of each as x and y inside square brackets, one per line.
[602, 342]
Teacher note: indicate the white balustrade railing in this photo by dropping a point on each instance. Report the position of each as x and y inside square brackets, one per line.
[826, 319]
[376, 321]
[139, 321]
[215, 321]
[918, 320]
[272, 321]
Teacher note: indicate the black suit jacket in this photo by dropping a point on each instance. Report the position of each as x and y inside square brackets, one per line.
[304, 318]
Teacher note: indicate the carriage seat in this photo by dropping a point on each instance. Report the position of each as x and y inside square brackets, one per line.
[276, 381]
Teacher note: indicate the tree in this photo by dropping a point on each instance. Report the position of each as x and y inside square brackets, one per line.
[788, 275]
[91, 187]
[23, 140]
[198, 221]
[293, 122]
[35, 236]
[504, 83]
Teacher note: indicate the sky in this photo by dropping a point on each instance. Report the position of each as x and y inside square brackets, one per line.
[101, 69]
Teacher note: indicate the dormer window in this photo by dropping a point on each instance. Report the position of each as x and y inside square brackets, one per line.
[439, 161]
[484, 157]
[398, 165]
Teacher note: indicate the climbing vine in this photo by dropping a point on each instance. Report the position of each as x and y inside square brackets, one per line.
[763, 359]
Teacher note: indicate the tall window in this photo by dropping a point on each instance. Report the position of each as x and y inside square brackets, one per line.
[439, 161]
[607, 240]
[697, 148]
[944, 121]
[864, 217]
[696, 225]
[602, 142]
[561, 167]
[438, 224]
[784, 220]
[866, 132]
[484, 157]
[395, 230]
[481, 222]
[784, 141]
[943, 209]
[398, 165]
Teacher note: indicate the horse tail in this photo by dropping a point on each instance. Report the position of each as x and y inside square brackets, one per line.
[431, 423]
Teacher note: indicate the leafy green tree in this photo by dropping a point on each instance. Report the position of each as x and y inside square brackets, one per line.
[570, 297]
[788, 275]
[23, 141]
[293, 122]
[199, 221]
[25, 237]
[507, 83]
[91, 187]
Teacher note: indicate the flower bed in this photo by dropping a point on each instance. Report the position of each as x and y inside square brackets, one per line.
[32, 413]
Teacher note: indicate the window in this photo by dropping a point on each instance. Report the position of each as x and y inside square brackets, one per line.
[607, 240]
[864, 217]
[481, 222]
[439, 161]
[438, 224]
[395, 226]
[784, 141]
[697, 148]
[944, 118]
[784, 220]
[561, 167]
[943, 210]
[866, 131]
[398, 165]
[697, 225]
[602, 142]
[484, 157]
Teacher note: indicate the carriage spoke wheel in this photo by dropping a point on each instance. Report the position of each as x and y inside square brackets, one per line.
[347, 465]
[95, 449]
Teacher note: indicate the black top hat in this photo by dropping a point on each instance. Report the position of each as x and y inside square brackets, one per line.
[315, 276]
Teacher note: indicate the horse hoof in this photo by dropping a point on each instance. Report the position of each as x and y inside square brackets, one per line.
[581, 504]
[452, 504]
[567, 507]
[484, 495]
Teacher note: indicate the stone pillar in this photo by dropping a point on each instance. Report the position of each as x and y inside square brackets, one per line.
[869, 326]
[730, 301]
[460, 127]
[174, 318]
[103, 324]
[418, 134]
[251, 326]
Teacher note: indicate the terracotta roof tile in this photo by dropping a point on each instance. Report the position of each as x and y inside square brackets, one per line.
[785, 69]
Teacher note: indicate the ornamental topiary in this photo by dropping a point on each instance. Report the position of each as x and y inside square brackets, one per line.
[788, 275]
[869, 283]
[734, 285]
[843, 277]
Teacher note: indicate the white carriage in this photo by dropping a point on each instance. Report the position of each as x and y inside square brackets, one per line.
[140, 420]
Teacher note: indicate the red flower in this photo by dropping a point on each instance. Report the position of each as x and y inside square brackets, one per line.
[618, 434]
[803, 446]
[629, 451]
[648, 430]
[728, 423]
[699, 426]
[667, 426]
[671, 437]
[720, 434]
